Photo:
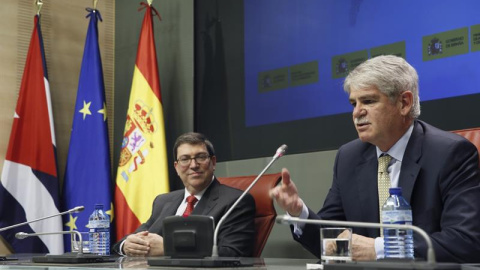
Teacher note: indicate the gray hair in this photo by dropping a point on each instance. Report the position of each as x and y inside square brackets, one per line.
[193, 138]
[390, 74]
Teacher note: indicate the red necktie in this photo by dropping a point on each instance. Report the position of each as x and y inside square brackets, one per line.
[191, 200]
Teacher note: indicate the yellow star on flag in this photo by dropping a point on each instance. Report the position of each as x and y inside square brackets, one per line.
[71, 222]
[86, 109]
[110, 212]
[103, 111]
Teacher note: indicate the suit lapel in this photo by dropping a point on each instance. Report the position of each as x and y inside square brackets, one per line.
[209, 199]
[169, 209]
[173, 205]
[410, 167]
[367, 185]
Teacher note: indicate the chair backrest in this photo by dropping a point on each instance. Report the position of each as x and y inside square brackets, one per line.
[472, 134]
[265, 210]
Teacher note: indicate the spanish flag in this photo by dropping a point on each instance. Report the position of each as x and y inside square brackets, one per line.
[142, 169]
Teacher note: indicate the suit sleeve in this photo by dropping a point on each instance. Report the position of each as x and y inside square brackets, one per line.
[458, 239]
[143, 227]
[332, 209]
[236, 235]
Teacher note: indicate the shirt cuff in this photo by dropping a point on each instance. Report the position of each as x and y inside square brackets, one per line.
[298, 226]
[379, 250]
[120, 251]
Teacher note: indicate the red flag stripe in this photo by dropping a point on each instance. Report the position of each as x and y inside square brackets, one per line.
[146, 48]
[129, 221]
[36, 151]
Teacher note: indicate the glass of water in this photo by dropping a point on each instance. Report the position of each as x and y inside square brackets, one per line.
[336, 244]
[75, 243]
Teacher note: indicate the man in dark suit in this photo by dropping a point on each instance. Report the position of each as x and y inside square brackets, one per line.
[195, 163]
[437, 170]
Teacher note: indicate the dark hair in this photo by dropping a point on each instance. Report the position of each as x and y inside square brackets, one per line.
[193, 138]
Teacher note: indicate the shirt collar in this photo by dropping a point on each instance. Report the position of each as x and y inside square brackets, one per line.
[199, 194]
[398, 149]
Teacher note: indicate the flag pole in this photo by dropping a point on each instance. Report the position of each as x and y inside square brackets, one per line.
[149, 2]
[95, 4]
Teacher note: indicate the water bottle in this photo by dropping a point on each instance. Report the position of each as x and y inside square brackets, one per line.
[99, 231]
[398, 243]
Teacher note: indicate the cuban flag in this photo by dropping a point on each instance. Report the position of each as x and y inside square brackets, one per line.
[29, 185]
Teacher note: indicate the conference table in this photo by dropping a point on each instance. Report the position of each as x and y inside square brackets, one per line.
[24, 261]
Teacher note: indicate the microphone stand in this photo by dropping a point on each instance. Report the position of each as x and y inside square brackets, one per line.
[73, 210]
[280, 152]
[23, 235]
[284, 219]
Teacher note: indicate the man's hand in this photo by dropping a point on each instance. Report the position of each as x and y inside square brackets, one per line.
[363, 248]
[329, 248]
[156, 244]
[136, 244]
[286, 195]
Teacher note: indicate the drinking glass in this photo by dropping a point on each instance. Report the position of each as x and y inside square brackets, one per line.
[336, 244]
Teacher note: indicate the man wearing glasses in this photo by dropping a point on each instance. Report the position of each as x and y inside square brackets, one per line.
[195, 162]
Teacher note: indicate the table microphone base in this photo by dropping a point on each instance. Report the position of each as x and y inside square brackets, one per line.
[201, 262]
[72, 258]
[6, 258]
[393, 264]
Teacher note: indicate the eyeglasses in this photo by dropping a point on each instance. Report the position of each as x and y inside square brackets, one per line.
[200, 159]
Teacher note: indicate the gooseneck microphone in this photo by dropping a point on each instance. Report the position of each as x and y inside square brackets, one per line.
[280, 152]
[285, 219]
[73, 210]
[23, 235]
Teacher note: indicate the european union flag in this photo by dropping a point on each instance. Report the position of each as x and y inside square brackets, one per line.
[87, 175]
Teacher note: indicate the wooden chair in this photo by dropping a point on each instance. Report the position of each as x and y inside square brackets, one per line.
[265, 210]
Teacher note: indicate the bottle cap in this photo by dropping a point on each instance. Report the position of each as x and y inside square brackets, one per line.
[395, 191]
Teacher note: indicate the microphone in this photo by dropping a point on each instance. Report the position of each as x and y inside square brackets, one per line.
[280, 152]
[285, 219]
[73, 210]
[23, 235]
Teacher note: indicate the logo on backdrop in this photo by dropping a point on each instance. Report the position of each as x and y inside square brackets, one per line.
[435, 47]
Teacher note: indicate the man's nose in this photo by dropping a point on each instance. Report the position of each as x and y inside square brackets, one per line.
[193, 163]
[358, 111]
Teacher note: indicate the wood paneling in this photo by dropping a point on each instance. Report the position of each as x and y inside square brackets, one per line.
[64, 27]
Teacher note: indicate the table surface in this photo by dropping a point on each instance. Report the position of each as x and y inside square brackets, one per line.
[24, 261]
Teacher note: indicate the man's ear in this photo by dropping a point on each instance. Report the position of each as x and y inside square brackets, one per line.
[406, 102]
[213, 159]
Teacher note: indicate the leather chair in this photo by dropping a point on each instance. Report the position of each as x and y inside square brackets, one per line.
[471, 134]
[265, 210]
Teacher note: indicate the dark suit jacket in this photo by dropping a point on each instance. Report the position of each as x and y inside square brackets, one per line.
[237, 233]
[439, 178]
